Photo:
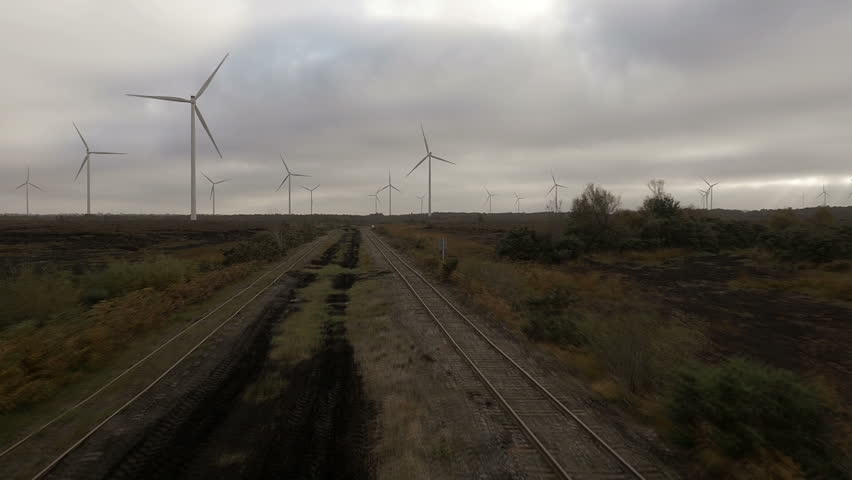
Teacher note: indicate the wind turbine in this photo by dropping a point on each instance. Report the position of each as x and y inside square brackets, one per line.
[86, 163]
[428, 156]
[824, 196]
[488, 198]
[518, 201]
[312, 196]
[213, 189]
[193, 109]
[555, 188]
[710, 191]
[289, 185]
[703, 194]
[28, 184]
[421, 197]
[390, 188]
[376, 201]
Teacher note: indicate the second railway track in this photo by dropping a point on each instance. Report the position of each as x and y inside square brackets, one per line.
[570, 443]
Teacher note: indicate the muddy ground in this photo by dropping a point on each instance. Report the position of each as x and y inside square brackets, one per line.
[202, 422]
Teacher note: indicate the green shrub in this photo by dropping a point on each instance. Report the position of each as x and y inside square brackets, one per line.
[40, 297]
[525, 244]
[742, 408]
[552, 318]
[448, 266]
[265, 246]
[120, 277]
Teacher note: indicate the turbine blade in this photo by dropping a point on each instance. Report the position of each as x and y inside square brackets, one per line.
[708, 183]
[306, 188]
[285, 163]
[204, 124]
[208, 178]
[21, 185]
[299, 175]
[551, 189]
[282, 183]
[382, 189]
[560, 185]
[36, 186]
[424, 137]
[85, 159]
[81, 136]
[418, 164]
[209, 79]
[225, 180]
[161, 97]
[441, 159]
[398, 190]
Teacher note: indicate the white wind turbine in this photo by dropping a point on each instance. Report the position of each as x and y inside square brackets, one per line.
[428, 156]
[213, 189]
[87, 163]
[193, 109]
[28, 184]
[376, 201]
[710, 191]
[703, 194]
[289, 185]
[390, 188]
[518, 202]
[421, 197]
[824, 196]
[312, 196]
[488, 198]
[555, 188]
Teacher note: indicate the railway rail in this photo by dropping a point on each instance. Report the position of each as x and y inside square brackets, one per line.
[251, 292]
[570, 444]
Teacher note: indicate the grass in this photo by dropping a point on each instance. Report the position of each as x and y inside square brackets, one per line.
[829, 285]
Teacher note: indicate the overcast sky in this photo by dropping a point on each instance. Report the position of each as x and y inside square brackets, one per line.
[754, 94]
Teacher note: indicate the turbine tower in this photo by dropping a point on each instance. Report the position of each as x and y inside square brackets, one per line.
[421, 197]
[518, 202]
[710, 191]
[428, 156]
[488, 198]
[824, 196]
[390, 188]
[289, 185]
[555, 188]
[213, 189]
[193, 109]
[87, 163]
[28, 184]
[312, 196]
[376, 201]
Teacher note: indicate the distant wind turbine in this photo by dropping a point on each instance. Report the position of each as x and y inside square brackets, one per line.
[555, 188]
[488, 198]
[518, 202]
[703, 194]
[428, 156]
[824, 196]
[312, 196]
[710, 191]
[193, 112]
[390, 188]
[289, 185]
[376, 201]
[213, 189]
[28, 184]
[421, 197]
[87, 163]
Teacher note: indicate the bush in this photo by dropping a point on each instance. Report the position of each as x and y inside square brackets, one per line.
[743, 408]
[519, 244]
[448, 266]
[551, 317]
[591, 214]
[41, 297]
[121, 277]
[265, 246]
[659, 203]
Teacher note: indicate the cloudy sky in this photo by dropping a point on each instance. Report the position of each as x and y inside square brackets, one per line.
[754, 94]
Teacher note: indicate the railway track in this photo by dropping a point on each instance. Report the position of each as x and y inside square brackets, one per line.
[230, 308]
[570, 441]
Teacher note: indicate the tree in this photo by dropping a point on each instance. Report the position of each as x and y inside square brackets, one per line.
[591, 214]
[660, 203]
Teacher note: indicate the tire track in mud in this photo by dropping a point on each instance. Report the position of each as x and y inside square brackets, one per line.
[314, 424]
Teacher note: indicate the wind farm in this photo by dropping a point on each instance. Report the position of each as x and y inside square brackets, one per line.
[545, 287]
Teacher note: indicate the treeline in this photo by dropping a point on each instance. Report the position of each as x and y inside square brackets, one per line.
[596, 223]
